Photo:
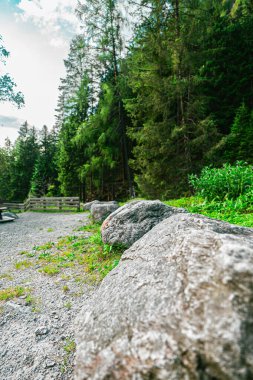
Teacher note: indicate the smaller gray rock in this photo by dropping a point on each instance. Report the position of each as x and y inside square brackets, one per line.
[49, 363]
[87, 206]
[130, 222]
[100, 211]
[43, 330]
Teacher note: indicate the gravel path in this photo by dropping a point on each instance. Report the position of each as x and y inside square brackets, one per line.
[36, 338]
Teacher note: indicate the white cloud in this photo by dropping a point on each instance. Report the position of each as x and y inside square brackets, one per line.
[38, 40]
[55, 18]
[10, 122]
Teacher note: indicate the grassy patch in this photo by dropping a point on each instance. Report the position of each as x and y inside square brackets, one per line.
[44, 247]
[229, 211]
[89, 252]
[6, 276]
[50, 270]
[13, 292]
[21, 265]
[27, 254]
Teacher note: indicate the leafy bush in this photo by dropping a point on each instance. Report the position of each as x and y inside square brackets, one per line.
[226, 183]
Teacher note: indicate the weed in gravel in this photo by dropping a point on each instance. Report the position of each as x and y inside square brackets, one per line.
[6, 276]
[27, 254]
[50, 230]
[21, 265]
[93, 279]
[77, 294]
[65, 277]
[13, 292]
[69, 346]
[68, 305]
[64, 365]
[44, 247]
[51, 270]
[34, 302]
[65, 288]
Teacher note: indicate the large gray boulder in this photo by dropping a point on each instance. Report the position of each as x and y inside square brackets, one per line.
[100, 210]
[179, 306]
[130, 222]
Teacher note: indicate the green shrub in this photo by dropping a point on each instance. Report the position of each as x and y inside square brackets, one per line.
[226, 183]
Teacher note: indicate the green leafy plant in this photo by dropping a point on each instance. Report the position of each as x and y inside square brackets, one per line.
[228, 182]
[69, 345]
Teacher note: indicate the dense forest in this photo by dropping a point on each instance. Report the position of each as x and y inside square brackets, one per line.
[154, 91]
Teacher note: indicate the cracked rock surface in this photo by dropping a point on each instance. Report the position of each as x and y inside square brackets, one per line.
[179, 306]
[36, 337]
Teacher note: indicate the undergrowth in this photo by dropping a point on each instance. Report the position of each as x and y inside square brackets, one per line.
[235, 212]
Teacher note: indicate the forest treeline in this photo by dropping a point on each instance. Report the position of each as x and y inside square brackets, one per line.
[154, 91]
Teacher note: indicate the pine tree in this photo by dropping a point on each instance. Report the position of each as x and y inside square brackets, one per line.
[24, 156]
[45, 174]
[5, 170]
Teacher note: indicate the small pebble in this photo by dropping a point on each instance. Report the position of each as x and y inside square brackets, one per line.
[42, 331]
[49, 363]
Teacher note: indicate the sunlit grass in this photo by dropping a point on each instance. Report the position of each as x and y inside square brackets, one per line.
[12, 292]
[88, 252]
[228, 211]
[21, 265]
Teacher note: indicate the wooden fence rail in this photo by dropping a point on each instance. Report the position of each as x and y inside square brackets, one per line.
[14, 206]
[59, 203]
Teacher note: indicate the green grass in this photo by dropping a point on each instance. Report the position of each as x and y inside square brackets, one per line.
[96, 258]
[12, 292]
[43, 247]
[21, 265]
[6, 276]
[50, 270]
[229, 211]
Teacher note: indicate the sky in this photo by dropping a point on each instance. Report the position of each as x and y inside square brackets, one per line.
[37, 35]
